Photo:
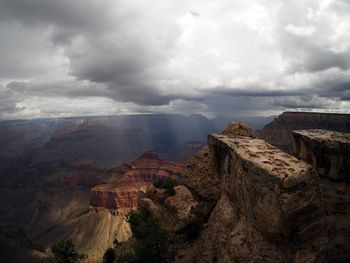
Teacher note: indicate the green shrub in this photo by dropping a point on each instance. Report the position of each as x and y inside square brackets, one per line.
[152, 240]
[168, 184]
[64, 252]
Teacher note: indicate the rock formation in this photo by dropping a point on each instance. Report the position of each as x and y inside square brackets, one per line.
[199, 176]
[117, 196]
[272, 207]
[125, 192]
[180, 206]
[279, 131]
[85, 203]
[327, 151]
[329, 154]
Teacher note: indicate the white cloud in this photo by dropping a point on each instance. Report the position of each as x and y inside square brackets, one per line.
[164, 56]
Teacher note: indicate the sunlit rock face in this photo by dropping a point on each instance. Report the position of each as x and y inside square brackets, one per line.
[113, 196]
[125, 192]
[279, 131]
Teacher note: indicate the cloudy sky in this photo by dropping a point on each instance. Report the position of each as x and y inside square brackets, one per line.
[214, 57]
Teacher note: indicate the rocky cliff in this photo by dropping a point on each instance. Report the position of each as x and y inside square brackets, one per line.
[273, 207]
[128, 188]
[327, 151]
[252, 202]
[329, 154]
[279, 131]
[117, 196]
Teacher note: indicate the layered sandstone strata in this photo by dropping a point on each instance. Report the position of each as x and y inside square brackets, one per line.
[112, 196]
[125, 191]
[150, 167]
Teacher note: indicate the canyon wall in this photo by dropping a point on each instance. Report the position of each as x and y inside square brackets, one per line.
[279, 131]
[125, 192]
[114, 196]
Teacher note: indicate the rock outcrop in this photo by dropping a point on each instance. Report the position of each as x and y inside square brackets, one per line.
[116, 196]
[279, 131]
[329, 154]
[235, 129]
[327, 151]
[128, 188]
[181, 205]
[272, 207]
[199, 176]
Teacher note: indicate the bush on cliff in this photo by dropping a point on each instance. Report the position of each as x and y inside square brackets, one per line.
[109, 256]
[64, 252]
[168, 184]
[152, 240]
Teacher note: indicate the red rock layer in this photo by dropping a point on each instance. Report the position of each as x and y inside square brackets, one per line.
[125, 193]
[117, 196]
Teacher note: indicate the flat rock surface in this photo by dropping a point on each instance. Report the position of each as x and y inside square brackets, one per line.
[264, 156]
[325, 135]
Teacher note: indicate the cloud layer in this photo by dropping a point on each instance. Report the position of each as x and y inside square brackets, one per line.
[62, 58]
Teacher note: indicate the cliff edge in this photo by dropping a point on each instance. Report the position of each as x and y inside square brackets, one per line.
[257, 203]
[279, 131]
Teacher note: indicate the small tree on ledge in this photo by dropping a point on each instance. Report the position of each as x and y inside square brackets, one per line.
[64, 252]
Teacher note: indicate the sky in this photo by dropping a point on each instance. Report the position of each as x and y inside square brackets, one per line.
[223, 57]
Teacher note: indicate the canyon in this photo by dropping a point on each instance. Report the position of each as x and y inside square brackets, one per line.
[238, 199]
[84, 202]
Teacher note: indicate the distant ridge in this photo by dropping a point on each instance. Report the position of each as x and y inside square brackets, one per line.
[279, 131]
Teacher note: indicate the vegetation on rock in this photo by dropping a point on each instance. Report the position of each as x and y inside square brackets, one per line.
[64, 252]
[109, 256]
[153, 240]
[168, 184]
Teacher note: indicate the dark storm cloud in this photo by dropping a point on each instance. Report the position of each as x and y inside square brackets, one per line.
[57, 89]
[110, 50]
[174, 55]
[8, 106]
[339, 90]
[69, 89]
[318, 60]
[312, 58]
[78, 14]
[258, 91]
[306, 102]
